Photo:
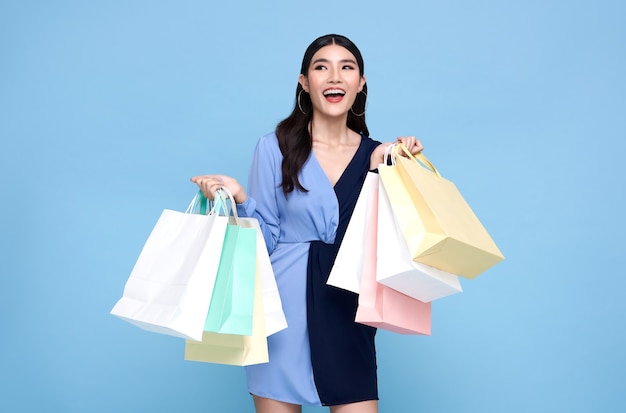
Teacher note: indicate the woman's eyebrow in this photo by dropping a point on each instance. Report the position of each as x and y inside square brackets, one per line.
[323, 60]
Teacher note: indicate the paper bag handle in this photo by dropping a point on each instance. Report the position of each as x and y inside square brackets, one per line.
[419, 158]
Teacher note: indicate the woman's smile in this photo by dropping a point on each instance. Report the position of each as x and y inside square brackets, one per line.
[334, 95]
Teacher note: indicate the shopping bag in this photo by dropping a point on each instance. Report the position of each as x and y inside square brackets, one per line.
[170, 286]
[348, 266]
[275, 320]
[382, 307]
[396, 269]
[231, 307]
[438, 225]
[234, 349]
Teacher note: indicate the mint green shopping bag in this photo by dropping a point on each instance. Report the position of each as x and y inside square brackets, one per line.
[232, 302]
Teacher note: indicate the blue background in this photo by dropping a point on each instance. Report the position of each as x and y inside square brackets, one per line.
[108, 108]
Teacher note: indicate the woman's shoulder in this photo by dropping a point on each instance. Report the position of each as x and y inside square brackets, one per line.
[267, 145]
[268, 141]
[369, 142]
[270, 137]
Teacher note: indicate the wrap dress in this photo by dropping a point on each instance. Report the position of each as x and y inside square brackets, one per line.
[323, 357]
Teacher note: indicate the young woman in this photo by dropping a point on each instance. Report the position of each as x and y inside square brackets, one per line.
[303, 185]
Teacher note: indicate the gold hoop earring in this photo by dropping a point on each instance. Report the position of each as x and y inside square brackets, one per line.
[299, 105]
[364, 107]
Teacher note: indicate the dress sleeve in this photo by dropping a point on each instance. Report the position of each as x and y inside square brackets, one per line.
[263, 182]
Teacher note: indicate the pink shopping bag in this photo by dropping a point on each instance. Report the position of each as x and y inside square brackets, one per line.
[380, 306]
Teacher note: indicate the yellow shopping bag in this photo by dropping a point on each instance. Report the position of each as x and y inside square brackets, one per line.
[438, 225]
[231, 348]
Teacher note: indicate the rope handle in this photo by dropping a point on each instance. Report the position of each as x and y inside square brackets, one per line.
[199, 201]
[216, 206]
[233, 205]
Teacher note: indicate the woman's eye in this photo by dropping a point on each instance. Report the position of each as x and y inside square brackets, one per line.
[320, 67]
[348, 67]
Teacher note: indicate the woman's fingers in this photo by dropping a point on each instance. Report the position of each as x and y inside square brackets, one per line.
[413, 144]
[208, 184]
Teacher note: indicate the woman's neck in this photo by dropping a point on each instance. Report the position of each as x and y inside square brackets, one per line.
[334, 132]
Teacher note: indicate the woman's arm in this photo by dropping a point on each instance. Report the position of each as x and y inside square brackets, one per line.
[261, 202]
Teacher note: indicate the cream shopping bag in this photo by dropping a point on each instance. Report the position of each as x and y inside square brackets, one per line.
[234, 349]
[438, 225]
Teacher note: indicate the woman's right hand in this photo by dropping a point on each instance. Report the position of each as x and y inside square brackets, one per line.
[208, 184]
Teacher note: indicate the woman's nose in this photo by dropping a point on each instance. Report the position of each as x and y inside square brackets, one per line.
[334, 77]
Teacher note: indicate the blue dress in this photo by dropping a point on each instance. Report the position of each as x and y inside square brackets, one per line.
[323, 357]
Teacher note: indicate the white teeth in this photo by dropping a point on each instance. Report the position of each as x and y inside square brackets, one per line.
[334, 92]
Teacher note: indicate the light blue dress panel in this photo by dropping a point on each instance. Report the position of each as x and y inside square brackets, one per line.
[288, 225]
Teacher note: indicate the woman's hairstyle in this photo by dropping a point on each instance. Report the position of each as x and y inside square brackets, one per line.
[293, 134]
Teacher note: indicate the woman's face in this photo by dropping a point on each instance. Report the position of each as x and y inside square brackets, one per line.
[333, 80]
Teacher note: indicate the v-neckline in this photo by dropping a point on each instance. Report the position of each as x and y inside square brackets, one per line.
[343, 173]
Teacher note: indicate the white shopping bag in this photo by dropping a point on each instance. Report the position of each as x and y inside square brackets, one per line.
[169, 289]
[275, 320]
[348, 266]
[397, 270]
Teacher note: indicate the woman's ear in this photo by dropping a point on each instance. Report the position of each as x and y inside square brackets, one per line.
[304, 82]
[362, 83]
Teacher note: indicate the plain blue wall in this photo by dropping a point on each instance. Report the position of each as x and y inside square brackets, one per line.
[107, 108]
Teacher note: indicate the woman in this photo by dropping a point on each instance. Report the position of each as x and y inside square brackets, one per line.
[303, 185]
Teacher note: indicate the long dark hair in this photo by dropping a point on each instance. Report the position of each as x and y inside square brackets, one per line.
[293, 134]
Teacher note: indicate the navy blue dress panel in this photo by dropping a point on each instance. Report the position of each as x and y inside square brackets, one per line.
[343, 353]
